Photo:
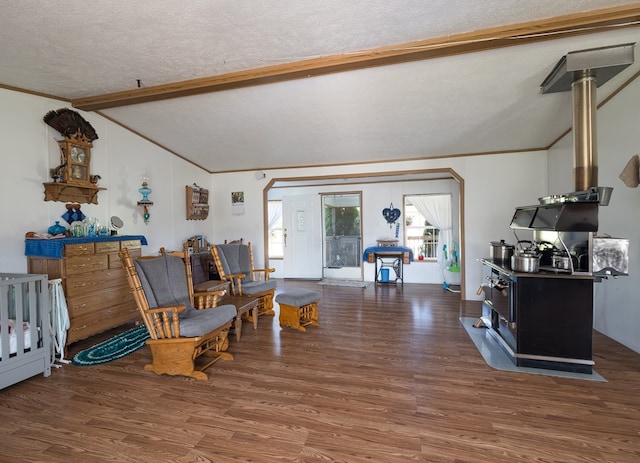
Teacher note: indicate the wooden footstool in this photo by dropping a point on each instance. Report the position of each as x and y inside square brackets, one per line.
[298, 308]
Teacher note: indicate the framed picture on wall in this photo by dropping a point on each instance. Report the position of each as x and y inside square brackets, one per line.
[237, 202]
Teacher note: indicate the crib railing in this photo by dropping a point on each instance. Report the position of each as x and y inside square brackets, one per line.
[25, 335]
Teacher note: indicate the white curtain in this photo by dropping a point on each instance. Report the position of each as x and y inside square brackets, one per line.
[275, 213]
[437, 210]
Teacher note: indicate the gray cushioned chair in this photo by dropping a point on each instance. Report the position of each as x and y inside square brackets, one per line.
[179, 333]
[235, 265]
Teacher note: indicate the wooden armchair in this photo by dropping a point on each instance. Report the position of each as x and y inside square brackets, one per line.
[179, 333]
[235, 265]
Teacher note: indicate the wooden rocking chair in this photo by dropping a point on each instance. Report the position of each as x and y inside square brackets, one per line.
[235, 265]
[179, 333]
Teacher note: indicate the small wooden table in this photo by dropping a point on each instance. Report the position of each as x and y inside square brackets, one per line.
[393, 257]
[246, 307]
[211, 285]
[389, 259]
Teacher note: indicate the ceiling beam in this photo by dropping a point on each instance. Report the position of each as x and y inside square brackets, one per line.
[487, 39]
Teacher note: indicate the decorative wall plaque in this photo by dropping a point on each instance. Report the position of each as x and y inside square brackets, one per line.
[197, 202]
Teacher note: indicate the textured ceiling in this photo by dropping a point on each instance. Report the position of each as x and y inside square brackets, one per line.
[483, 101]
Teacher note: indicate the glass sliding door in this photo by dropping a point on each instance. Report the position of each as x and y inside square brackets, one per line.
[342, 236]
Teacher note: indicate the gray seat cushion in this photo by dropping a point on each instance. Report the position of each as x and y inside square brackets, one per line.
[199, 322]
[298, 297]
[164, 282]
[249, 288]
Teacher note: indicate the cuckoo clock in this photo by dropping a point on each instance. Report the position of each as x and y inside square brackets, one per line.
[72, 179]
[75, 157]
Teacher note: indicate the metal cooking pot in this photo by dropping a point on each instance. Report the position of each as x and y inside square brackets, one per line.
[525, 262]
[501, 252]
[561, 261]
[547, 251]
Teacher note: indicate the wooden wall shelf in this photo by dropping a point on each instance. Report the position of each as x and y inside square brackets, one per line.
[67, 192]
[197, 203]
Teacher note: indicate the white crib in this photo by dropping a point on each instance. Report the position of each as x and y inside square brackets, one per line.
[25, 332]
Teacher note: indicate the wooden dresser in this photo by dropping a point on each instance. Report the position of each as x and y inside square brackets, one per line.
[94, 282]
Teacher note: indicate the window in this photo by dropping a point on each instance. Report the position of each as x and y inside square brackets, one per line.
[276, 230]
[419, 235]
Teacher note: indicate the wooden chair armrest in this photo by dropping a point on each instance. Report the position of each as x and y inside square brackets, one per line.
[173, 309]
[207, 299]
[264, 273]
[239, 276]
[236, 282]
[164, 322]
[218, 293]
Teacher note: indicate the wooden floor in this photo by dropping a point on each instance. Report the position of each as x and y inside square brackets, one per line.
[389, 376]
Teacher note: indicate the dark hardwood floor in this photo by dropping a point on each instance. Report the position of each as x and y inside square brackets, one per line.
[390, 375]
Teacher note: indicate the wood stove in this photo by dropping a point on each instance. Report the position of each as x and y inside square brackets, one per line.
[542, 320]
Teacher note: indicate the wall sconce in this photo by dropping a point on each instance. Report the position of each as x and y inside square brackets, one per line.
[145, 191]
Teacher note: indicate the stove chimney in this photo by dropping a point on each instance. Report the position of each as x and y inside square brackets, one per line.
[585, 143]
[582, 72]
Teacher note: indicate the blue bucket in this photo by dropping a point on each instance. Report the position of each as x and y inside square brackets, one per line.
[384, 275]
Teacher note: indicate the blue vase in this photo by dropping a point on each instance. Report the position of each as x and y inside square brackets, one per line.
[57, 229]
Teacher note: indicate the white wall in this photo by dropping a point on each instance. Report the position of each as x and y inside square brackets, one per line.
[118, 156]
[494, 185]
[229, 226]
[377, 196]
[616, 307]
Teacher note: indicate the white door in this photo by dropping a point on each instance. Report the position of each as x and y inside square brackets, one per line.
[303, 237]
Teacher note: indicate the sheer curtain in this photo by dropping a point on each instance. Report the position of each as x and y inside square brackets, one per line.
[437, 210]
[274, 211]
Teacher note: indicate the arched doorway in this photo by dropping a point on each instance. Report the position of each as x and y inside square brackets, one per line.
[361, 180]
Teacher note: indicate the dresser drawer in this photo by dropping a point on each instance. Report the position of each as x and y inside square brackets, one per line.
[99, 302]
[114, 259]
[130, 244]
[85, 283]
[119, 314]
[107, 246]
[95, 283]
[43, 265]
[85, 325]
[83, 264]
[80, 249]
